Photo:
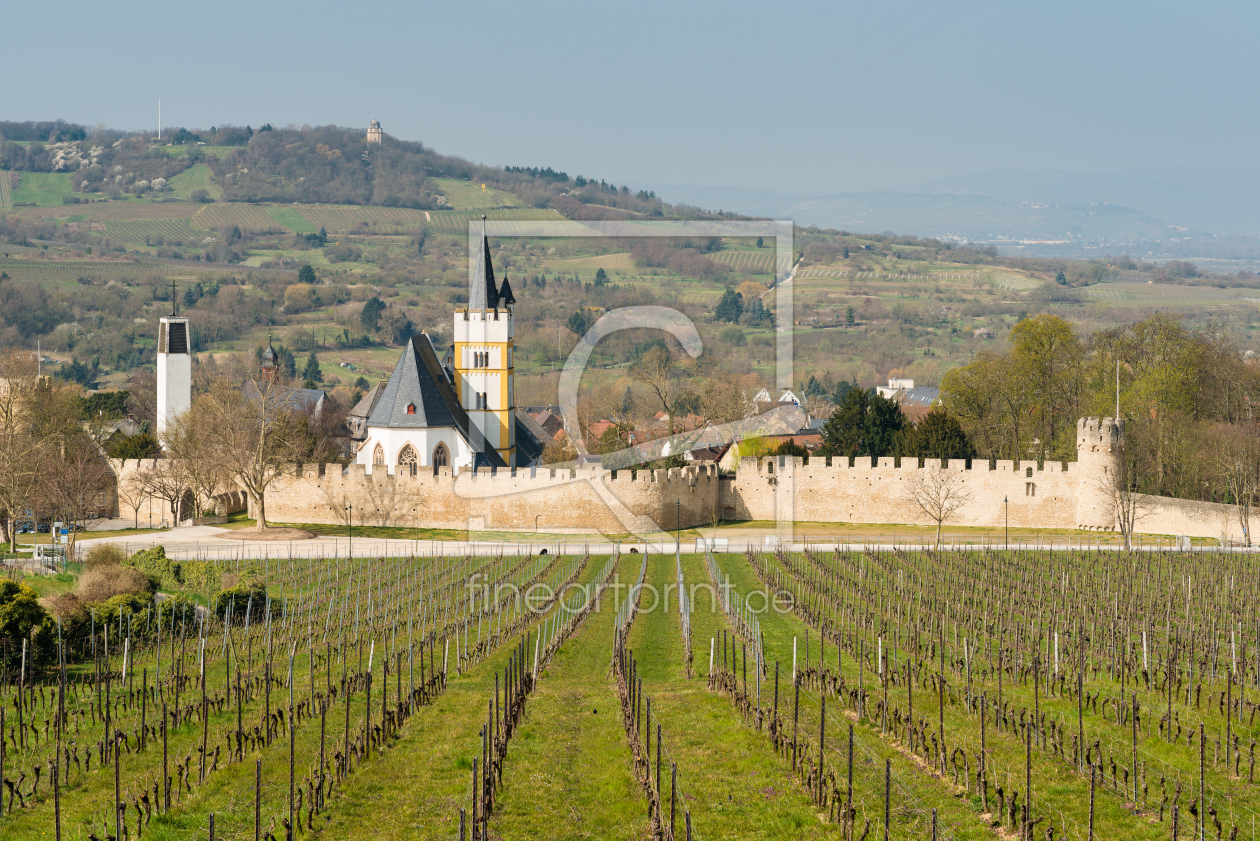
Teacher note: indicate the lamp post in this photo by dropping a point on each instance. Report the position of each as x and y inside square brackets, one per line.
[1006, 501]
[350, 528]
[678, 525]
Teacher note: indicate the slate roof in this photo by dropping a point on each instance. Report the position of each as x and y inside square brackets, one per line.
[419, 380]
[413, 384]
[530, 439]
[357, 418]
[483, 294]
[924, 395]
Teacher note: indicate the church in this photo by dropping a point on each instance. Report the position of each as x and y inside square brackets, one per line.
[456, 410]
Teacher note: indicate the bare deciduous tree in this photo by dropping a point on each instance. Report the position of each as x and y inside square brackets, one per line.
[1238, 459]
[1122, 484]
[19, 448]
[193, 456]
[939, 493]
[168, 483]
[254, 431]
[75, 489]
[132, 489]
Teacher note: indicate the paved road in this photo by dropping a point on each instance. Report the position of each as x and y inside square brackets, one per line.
[203, 543]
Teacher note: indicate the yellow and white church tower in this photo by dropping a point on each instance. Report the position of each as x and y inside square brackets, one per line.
[484, 339]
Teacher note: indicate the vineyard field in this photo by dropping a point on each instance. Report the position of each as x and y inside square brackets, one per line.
[823, 693]
[149, 231]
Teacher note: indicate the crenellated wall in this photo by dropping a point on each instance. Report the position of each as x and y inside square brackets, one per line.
[1042, 496]
[539, 499]
[592, 500]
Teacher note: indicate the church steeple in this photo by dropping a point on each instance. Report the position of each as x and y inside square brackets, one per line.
[483, 293]
[482, 349]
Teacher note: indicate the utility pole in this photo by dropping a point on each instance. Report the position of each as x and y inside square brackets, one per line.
[1117, 416]
[350, 528]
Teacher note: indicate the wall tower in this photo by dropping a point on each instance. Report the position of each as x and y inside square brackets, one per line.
[484, 337]
[1098, 445]
[174, 371]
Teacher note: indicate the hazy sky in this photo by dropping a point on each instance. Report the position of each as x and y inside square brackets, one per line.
[806, 96]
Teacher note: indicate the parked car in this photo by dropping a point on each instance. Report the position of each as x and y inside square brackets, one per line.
[44, 528]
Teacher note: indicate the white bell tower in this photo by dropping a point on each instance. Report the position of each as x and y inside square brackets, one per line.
[174, 371]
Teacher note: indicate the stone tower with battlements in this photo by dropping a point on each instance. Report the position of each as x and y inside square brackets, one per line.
[1098, 445]
[484, 339]
[374, 133]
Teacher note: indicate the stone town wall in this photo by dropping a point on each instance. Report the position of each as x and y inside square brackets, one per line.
[1044, 496]
[587, 500]
[1165, 515]
[582, 500]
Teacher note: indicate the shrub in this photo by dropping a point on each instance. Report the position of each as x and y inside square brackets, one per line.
[177, 609]
[249, 596]
[20, 613]
[104, 555]
[154, 563]
[125, 604]
[102, 583]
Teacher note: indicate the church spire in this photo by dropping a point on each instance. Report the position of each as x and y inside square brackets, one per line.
[483, 293]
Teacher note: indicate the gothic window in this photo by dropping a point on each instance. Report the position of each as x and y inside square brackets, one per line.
[1028, 473]
[411, 408]
[441, 456]
[378, 455]
[407, 460]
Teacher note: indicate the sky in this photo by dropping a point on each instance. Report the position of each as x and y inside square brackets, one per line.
[825, 97]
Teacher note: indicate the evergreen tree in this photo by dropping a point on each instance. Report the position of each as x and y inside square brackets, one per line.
[731, 307]
[370, 316]
[842, 389]
[863, 425]
[311, 371]
[849, 317]
[760, 243]
[577, 323]
[938, 435]
[791, 448]
[844, 432]
[601, 278]
[286, 362]
[323, 237]
[846, 252]
[1061, 278]
[306, 274]
[884, 422]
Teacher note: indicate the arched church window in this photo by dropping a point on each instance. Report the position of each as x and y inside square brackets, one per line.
[407, 460]
[378, 456]
[441, 456]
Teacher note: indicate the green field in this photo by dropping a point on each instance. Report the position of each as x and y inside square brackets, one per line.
[44, 189]
[6, 200]
[196, 177]
[291, 219]
[465, 195]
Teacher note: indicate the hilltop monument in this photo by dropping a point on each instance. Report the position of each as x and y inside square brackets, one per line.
[374, 133]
